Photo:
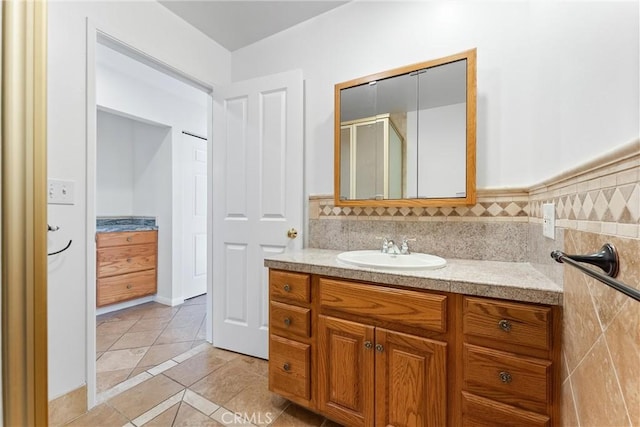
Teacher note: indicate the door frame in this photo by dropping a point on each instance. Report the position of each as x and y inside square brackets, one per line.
[97, 34]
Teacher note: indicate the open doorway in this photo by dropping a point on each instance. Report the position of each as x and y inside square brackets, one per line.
[146, 173]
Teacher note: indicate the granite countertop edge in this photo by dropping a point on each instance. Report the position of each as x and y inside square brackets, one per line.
[516, 281]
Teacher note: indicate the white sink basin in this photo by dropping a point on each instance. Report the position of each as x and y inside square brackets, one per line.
[377, 259]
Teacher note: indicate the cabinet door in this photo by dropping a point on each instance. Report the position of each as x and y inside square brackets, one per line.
[345, 371]
[411, 382]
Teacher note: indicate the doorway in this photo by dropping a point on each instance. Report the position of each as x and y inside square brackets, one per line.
[160, 111]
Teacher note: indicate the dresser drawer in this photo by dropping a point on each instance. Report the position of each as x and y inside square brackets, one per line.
[125, 287]
[399, 306]
[480, 412]
[290, 287]
[289, 368]
[287, 320]
[520, 381]
[126, 259]
[126, 238]
[507, 322]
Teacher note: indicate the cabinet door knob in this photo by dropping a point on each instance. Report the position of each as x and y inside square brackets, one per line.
[129, 239]
[286, 367]
[287, 288]
[505, 377]
[505, 325]
[129, 286]
[368, 345]
[379, 348]
[287, 321]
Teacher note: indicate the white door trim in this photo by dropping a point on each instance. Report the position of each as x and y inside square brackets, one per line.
[114, 40]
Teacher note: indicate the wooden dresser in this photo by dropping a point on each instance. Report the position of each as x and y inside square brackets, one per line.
[126, 266]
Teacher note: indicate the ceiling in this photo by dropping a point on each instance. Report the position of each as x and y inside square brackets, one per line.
[238, 23]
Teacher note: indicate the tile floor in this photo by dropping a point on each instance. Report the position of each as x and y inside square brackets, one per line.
[156, 370]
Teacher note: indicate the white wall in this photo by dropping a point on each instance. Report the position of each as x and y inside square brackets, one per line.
[557, 80]
[149, 27]
[114, 172]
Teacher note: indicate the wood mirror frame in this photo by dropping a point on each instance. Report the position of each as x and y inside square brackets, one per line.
[470, 194]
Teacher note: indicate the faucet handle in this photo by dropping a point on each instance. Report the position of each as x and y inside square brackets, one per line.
[404, 248]
[385, 243]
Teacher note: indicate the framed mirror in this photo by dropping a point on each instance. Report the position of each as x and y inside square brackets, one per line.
[407, 136]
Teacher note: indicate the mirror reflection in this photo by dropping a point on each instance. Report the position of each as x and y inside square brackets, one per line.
[406, 135]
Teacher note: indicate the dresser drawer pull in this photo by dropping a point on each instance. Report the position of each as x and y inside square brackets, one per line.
[505, 325]
[129, 239]
[368, 345]
[505, 377]
[129, 286]
[286, 367]
[129, 260]
[379, 348]
[287, 321]
[287, 288]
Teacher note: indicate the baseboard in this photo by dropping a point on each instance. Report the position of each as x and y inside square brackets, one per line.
[122, 305]
[172, 302]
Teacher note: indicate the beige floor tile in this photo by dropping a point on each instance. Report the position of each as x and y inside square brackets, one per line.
[159, 353]
[252, 364]
[118, 327]
[226, 354]
[187, 310]
[160, 312]
[143, 397]
[224, 383]
[199, 300]
[120, 359]
[197, 343]
[131, 313]
[202, 332]
[171, 335]
[98, 354]
[297, 416]
[186, 321]
[139, 369]
[196, 367]
[100, 416]
[149, 325]
[258, 403]
[136, 339]
[105, 341]
[106, 380]
[165, 419]
[189, 416]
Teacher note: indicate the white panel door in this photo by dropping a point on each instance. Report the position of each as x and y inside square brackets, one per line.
[257, 197]
[194, 247]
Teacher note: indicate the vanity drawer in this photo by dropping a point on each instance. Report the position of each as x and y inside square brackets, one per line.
[293, 287]
[289, 368]
[507, 322]
[480, 412]
[521, 381]
[399, 306]
[125, 287]
[126, 259]
[285, 319]
[126, 238]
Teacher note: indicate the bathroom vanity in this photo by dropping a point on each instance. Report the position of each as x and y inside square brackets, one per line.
[126, 261]
[476, 343]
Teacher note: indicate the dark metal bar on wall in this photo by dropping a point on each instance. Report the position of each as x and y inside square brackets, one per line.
[607, 260]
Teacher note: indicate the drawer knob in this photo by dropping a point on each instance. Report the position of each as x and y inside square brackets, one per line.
[505, 325]
[286, 367]
[287, 288]
[129, 239]
[129, 286]
[505, 377]
[287, 321]
[368, 345]
[379, 348]
[129, 260]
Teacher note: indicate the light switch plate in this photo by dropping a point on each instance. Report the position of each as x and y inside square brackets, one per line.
[549, 220]
[60, 192]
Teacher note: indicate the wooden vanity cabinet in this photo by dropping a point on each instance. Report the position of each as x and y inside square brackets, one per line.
[291, 340]
[371, 371]
[372, 355]
[126, 265]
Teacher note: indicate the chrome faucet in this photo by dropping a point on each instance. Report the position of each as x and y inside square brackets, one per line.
[404, 247]
[390, 247]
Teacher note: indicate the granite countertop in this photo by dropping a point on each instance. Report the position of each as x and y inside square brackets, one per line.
[125, 223]
[517, 281]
